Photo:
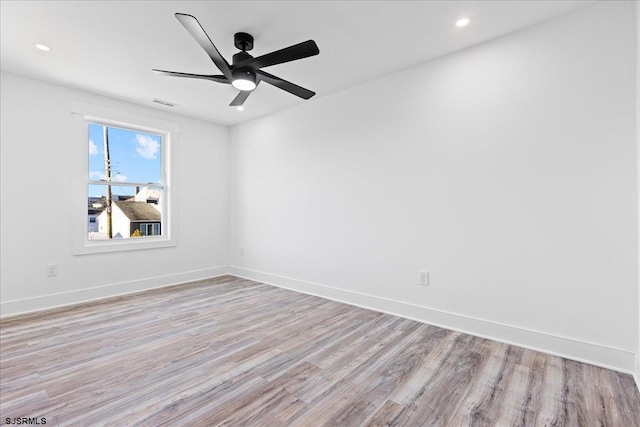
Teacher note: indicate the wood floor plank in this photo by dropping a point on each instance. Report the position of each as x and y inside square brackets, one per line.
[534, 366]
[421, 375]
[234, 352]
[353, 353]
[513, 400]
[501, 393]
[386, 415]
[550, 411]
[487, 390]
[626, 403]
[322, 409]
[439, 400]
[387, 377]
[258, 406]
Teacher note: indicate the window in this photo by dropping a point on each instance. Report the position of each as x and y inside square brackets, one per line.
[125, 174]
[149, 229]
[126, 189]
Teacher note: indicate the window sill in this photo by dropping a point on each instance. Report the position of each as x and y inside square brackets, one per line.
[101, 247]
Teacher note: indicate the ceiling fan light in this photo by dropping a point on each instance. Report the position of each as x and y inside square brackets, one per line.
[243, 84]
[244, 80]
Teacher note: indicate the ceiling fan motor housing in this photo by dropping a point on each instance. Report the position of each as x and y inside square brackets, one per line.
[241, 56]
[244, 74]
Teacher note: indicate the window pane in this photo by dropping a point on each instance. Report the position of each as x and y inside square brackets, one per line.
[135, 211]
[133, 156]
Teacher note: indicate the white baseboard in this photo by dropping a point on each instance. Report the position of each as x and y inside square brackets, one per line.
[636, 373]
[570, 348]
[45, 302]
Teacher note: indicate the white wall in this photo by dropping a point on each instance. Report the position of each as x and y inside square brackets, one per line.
[507, 170]
[36, 145]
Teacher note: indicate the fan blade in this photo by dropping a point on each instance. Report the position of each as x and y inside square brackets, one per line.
[214, 78]
[285, 85]
[243, 95]
[195, 29]
[291, 53]
[239, 100]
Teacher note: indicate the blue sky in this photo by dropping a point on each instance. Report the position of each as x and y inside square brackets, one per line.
[135, 157]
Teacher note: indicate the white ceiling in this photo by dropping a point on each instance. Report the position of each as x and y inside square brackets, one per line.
[110, 47]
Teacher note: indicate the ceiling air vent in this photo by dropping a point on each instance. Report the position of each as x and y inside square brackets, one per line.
[166, 103]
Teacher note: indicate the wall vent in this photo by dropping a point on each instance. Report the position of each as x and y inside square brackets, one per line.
[166, 103]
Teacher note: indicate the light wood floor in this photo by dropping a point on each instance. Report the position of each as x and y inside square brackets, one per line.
[230, 351]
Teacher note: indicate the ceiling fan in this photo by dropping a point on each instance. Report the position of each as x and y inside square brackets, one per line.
[245, 72]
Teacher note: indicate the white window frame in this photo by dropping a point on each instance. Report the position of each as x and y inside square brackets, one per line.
[83, 114]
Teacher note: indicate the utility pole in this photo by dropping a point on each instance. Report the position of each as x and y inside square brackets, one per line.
[107, 172]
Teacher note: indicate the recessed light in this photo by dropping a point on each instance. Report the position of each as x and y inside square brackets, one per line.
[43, 47]
[240, 108]
[463, 22]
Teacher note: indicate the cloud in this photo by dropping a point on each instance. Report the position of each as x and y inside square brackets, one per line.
[97, 175]
[93, 148]
[100, 176]
[147, 146]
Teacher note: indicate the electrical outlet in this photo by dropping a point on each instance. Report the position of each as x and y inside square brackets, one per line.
[424, 278]
[52, 270]
[241, 251]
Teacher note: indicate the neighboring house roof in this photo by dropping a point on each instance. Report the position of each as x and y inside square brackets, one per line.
[138, 211]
